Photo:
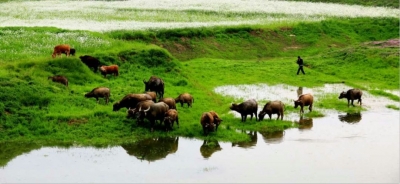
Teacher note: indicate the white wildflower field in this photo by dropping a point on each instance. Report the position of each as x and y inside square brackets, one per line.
[165, 14]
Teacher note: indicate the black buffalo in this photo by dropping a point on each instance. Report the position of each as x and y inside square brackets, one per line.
[91, 62]
[351, 95]
[246, 108]
[155, 84]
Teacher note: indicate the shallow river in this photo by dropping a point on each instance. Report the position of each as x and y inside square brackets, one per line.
[336, 148]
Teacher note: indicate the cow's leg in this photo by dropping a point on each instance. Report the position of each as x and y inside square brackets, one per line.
[177, 121]
[348, 103]
[270, 116]
[352, 102]
[97, 99]
[251, 116]
[310, 108]
[360, 101]
[255, 114]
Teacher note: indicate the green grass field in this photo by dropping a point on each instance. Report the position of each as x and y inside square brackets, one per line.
[194, 60]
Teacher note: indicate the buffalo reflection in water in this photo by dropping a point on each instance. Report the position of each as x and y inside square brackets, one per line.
[273, 137]
[305, 123]
[247, 144]
[152, 149]
[209, 147]
[350, 118]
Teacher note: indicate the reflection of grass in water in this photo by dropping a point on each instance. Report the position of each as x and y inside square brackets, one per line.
[11, 150]
[393, 107]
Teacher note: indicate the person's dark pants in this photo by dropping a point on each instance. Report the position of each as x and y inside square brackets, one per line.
[300, 69]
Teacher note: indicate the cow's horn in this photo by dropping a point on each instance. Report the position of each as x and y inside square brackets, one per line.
[146, 109]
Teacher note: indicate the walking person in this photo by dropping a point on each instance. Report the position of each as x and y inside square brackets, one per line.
[300, 63]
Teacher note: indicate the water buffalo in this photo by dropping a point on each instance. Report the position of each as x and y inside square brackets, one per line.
[155, 84]
[246, 108]
[170, 117]
[209, 121]
[91, 62]
[61, 49]
[99, 92]
[60, 79]
[155, 112]
[272, 107]
[130, 101]
[112, 69]
[185, 98]
[304, 100]
[351, 95]
[153, 95]
[134, 113]
[169, 101]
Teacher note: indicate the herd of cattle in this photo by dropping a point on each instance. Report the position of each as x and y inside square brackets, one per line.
[145, 105]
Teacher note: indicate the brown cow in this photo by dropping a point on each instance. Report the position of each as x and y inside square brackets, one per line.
[351, 95]
[272, 107]
[169, 101]
[130, 101]
[61, 49]
[209, 121]
[112, 69]
[170, 117]
[153, 95]
[185, 98]
[99, 92]
[304, 100]
[60, 79]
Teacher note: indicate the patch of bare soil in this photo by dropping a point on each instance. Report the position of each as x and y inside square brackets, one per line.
[387, 43]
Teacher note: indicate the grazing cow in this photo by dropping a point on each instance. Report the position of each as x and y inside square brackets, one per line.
[351, 95]
[155, 84]
[130, 101]
[304, 100]
[99, 92]
[246, 108]
[91, 62]
[61, 49]
[272, 107]
[71, 52]
[169, 101]
[112, 69]
[209, 121]
[153, 95]
[155, 112]
[134, 113]
[185, 98]
[170, 117]
[60, 79]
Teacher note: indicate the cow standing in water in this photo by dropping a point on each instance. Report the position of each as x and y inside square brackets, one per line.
[304, 100]
[351, 95]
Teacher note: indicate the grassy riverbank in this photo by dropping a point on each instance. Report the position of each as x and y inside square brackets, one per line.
[32, 108]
